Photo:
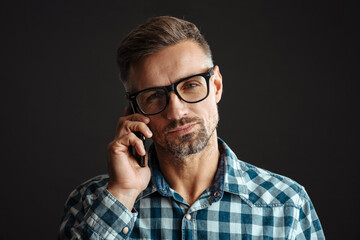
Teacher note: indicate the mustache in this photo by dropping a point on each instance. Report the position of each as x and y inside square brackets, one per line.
[180, 122]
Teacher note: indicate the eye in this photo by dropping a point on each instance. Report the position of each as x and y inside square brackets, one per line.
[152, 96]
[190, 85]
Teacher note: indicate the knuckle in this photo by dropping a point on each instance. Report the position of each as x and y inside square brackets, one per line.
[111, 148]
[112, 151]
[114, 148]
[139, 142]
[110, 145]
[120, 120]
[126, 125]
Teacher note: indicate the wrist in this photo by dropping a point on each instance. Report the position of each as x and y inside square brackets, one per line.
[125, 196]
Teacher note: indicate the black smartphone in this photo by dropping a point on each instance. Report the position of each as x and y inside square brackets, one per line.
[140, 159]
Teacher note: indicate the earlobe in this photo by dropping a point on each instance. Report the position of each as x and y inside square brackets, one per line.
[218, 84]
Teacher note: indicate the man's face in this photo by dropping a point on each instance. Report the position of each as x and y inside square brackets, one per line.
[182, 128]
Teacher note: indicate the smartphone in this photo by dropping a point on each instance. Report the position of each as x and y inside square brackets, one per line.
[140, 159]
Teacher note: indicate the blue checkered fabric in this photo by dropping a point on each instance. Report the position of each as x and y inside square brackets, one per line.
[245, 202]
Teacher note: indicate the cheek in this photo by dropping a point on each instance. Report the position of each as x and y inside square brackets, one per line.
[209, 112]
[209, 106]
[156, 128]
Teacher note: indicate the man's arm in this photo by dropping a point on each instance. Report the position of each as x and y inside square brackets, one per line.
[127, 178]
[308, 223]
[102, 207]
[91, 212]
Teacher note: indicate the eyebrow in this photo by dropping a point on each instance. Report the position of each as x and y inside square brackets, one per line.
[173, 82]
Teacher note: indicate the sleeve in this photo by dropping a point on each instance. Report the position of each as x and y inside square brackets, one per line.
[308, 224]
[91, 212]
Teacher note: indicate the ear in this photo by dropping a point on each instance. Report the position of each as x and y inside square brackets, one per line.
[218, 86]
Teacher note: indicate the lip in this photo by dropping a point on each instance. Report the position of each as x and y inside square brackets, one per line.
[182, 130]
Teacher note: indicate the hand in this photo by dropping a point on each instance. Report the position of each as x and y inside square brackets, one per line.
[127, 178]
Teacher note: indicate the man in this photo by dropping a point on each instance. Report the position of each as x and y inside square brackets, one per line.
[195, 188]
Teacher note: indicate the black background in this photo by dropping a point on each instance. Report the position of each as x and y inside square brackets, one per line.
[289, 102]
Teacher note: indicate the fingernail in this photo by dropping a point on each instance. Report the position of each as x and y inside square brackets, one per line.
[149, 133]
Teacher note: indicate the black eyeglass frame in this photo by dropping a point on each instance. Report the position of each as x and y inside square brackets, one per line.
[172, 87]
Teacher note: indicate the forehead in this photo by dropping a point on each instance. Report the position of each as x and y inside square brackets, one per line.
[168, 66]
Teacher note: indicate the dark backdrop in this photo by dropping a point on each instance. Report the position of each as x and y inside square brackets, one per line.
[288, 106]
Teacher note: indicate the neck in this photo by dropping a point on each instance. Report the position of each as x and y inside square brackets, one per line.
[190, 176]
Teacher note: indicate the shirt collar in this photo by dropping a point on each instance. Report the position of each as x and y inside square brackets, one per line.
[234, 175]
[229, 177]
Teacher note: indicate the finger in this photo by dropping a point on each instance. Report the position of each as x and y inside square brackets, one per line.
[137, 143]
[138, 117]
[121, 145]
[146, 159]
[130, 123]
[129, 126]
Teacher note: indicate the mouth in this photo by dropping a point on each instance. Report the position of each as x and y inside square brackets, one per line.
[182, 129]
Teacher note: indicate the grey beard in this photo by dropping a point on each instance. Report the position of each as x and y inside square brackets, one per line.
[190, 143]
[186, 145]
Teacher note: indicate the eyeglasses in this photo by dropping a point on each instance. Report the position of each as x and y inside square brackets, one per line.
[154, 100]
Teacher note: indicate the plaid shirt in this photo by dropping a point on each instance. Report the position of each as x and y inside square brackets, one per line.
[245, 202]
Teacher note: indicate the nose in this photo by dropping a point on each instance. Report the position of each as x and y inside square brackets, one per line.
[176, 108]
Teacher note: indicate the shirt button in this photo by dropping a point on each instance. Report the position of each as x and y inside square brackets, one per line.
[188, 216]
[125, 230]
[216, 194]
